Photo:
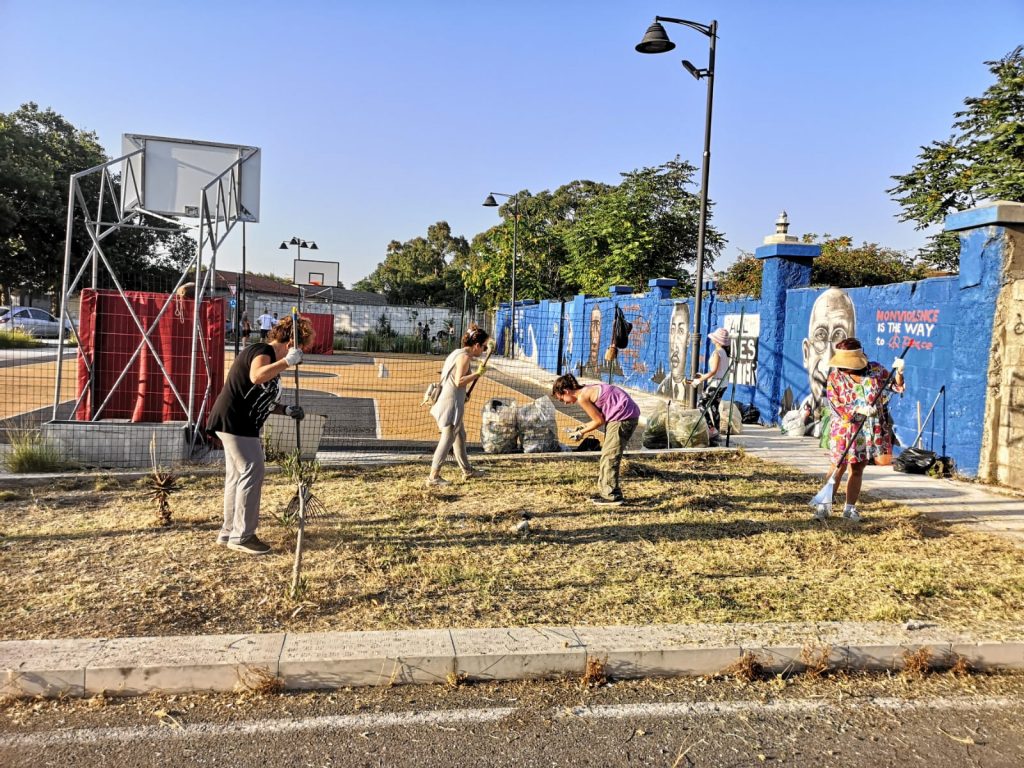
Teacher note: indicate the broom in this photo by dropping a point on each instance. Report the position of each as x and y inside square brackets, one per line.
[824, 496]
[303, 503]
[487, 357]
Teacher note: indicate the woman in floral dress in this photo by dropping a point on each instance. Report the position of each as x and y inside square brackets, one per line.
[855, 396]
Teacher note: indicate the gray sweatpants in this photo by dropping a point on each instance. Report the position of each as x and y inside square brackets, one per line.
[453, 439]
[243, 485]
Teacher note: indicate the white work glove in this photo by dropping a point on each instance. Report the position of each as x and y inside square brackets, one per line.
[295, 412]
[575, 433]
[867, 411]
[897, 365]
[294, 356]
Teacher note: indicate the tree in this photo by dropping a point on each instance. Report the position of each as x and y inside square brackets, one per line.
[416, 271]
[39, 151]
[645, 227]
[982, 160]
[841, 264]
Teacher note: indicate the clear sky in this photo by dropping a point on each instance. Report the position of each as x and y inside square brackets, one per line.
[377, 119]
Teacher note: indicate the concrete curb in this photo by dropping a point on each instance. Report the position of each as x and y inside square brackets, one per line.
[134, 666]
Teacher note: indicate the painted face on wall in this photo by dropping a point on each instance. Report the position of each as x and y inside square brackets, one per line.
[833, 319]
[678, 340]
[595, 335]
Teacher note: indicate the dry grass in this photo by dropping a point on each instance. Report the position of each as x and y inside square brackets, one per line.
[745, 669]
[706, 539]
[595, 674]
[917, 664]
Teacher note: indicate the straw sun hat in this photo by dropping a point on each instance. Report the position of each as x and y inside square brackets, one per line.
[849, 356]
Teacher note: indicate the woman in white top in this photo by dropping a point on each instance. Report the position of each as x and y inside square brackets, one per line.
[450, 409]
[714, 380]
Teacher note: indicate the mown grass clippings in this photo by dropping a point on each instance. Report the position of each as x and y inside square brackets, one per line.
[703, 539]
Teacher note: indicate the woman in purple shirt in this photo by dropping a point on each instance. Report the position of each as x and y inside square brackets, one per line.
[608, 405]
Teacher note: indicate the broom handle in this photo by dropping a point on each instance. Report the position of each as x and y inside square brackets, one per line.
[860, 425]
[732, 394]
[487, 357]
[297, 569]
[922, 424]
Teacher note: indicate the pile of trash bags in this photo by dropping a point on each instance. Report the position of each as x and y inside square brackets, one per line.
[676, 428]
[509, 428]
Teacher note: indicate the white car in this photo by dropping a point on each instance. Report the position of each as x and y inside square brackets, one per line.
[37, 322]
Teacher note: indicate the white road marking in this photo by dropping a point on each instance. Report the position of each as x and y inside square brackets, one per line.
[371, 722]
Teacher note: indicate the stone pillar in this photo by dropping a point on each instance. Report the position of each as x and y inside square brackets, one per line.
[786, 264]
[986, 401]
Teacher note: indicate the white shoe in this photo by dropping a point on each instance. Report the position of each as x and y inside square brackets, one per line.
[474, 472]
[850, 513]
[436, 482]
[822, 511]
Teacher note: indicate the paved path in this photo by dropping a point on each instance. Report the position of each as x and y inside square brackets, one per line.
[979, 506]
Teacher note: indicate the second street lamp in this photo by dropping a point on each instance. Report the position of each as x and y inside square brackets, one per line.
[299, 244]
[656, 41]
[490, 202]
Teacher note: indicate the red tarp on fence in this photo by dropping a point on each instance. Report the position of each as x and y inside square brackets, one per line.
[324, 327]
[109, 337]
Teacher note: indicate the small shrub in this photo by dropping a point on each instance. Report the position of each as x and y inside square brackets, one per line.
[15, 339]
[595, 675]
[746, 668]
[31, 453]
[917, 664]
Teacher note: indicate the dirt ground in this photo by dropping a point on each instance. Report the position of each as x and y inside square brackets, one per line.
[704, 538]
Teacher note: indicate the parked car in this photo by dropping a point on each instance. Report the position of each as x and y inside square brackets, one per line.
[37, 322]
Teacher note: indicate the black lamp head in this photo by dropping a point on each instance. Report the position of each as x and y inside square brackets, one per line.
[313, 247]
[655, 41]
[490, 202]
[294, 241]
[283, 246]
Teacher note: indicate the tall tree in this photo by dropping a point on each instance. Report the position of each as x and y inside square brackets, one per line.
[645, 227]
[416, 271]
[982, 160]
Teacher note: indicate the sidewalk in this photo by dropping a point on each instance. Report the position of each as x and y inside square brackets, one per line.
[977, 506]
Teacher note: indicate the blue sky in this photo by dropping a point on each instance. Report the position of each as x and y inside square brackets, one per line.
[379, 119]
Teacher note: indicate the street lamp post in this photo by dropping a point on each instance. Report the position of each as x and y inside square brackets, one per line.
[465, 299]
[490, 202]
[299, 244]
[656, 41]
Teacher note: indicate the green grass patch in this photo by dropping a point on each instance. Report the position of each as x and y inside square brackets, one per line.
[15, 339]
[30, 452]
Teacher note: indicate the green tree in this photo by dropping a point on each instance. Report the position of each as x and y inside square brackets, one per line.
[39, 151]
[982, 160]
[644, 227]
[841, 264]
[417, 271]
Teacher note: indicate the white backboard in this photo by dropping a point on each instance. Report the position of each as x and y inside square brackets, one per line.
[322, 273]
[169, 175]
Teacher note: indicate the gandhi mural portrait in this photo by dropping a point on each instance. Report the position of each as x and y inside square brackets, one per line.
[833, 318]
[674, 385]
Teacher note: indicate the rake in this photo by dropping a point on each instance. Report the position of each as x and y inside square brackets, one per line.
[490, 351]
[824, 496]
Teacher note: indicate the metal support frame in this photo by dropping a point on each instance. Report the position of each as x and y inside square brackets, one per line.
[220, 210]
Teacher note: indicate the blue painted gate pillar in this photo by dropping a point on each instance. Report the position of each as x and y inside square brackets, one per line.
[786, 265]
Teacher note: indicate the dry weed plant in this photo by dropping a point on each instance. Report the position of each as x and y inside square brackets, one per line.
[260, 681]
[595, 674]
[456, 679]
[746, 668]
[917, 664]
[961, 667]
[815, 660]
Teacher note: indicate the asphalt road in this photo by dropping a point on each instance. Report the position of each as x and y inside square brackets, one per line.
[941, 722]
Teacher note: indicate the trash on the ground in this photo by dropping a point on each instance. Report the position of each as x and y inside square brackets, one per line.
[522, 527]
[727, 409]
[498, 431]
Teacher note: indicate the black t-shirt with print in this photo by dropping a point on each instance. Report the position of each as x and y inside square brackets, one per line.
[242, 406]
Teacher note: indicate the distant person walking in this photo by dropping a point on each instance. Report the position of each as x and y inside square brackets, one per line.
[246, 329]
[251, 393]
[611, 406]
[450, 409]
[266, 321]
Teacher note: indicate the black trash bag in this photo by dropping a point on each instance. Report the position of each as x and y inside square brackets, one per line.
[621, 329]
[914, 461]
[588, 443]
[751, 413]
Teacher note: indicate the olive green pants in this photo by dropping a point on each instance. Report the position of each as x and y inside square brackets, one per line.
[616, 437]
